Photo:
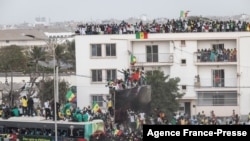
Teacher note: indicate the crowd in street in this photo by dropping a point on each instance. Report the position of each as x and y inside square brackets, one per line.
[131, 128]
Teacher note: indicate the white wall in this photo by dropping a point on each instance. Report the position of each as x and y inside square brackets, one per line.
[83, 66]
[185, 72]
[168, 43]
[244, 71]
[206, 76]
[228, 44]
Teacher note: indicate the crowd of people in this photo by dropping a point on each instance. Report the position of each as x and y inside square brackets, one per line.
[217, 55]
[132, 77]
[170, 26]
[130, 129]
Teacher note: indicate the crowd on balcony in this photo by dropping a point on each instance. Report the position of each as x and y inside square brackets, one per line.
[217, 55]
[170, 26]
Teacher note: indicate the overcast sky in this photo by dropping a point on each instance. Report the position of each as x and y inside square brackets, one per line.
[19, 11]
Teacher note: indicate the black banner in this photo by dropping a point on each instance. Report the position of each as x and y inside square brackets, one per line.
[136, 99]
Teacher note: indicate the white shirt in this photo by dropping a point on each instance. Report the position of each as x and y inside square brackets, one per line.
[46, 104]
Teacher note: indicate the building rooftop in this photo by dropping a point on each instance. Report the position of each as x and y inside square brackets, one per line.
[20, 34]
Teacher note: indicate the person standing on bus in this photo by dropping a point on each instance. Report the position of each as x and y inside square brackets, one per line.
[15, 111]
[52, 104]
[30, 106]
[24, 102]
[47, 109]
[67, 110]
[110, 107]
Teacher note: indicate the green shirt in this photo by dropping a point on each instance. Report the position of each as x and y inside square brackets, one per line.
[15, 112]
[85, 117]
[79, 117]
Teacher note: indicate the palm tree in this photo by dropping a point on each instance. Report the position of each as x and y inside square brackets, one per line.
[65, 53]
[35, 55]
[60, 55]
[70, 54]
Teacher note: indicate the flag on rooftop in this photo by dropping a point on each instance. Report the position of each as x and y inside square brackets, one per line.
[141, 35]
[184, 14]
[70, 96]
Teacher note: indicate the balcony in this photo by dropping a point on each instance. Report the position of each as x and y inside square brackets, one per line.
[154, 59]
[222, 84]
[205, 58]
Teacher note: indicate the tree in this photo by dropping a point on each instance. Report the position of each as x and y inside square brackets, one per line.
[60, 54]
[165, 94]
[70, 54]
[34, 56]
[12, 59]
[46, 90]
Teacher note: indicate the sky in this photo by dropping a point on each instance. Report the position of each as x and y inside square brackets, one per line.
[20, 11]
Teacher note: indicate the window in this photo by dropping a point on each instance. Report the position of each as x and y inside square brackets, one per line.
[152, 53]
[218, 78]
[181, 108]
[183, 43]
[217, 98]
[183, 61]
[96, 75]
[96, 50]
[184, 87]
[218, 46]
[98, 99]
[110, 50]
[111, 75]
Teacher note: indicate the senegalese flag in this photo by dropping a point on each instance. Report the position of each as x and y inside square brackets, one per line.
[141, 35]
[70, 96]
[96, 107]
[132, 59]
[183, 14]
[93, 128]
[117, 132]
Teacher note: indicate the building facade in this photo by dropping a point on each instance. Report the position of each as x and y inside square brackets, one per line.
[213, 67]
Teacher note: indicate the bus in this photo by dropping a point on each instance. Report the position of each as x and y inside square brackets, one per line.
[39, 129]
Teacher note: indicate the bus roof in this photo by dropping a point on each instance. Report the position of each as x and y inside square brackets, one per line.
[40, 122]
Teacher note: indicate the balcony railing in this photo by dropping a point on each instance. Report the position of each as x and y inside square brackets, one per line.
[206, 57]
[154, 58]
[223, 82]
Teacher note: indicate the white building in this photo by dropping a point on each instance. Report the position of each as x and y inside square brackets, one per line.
[98, 57]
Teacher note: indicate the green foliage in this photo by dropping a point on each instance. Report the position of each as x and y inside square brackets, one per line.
[70, 54]
[46, 90]
[65, 53]
[12, 59]
[35, 55]
[165, 92]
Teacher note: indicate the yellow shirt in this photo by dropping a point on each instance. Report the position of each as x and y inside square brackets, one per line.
[24, 102]
[109, 104]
